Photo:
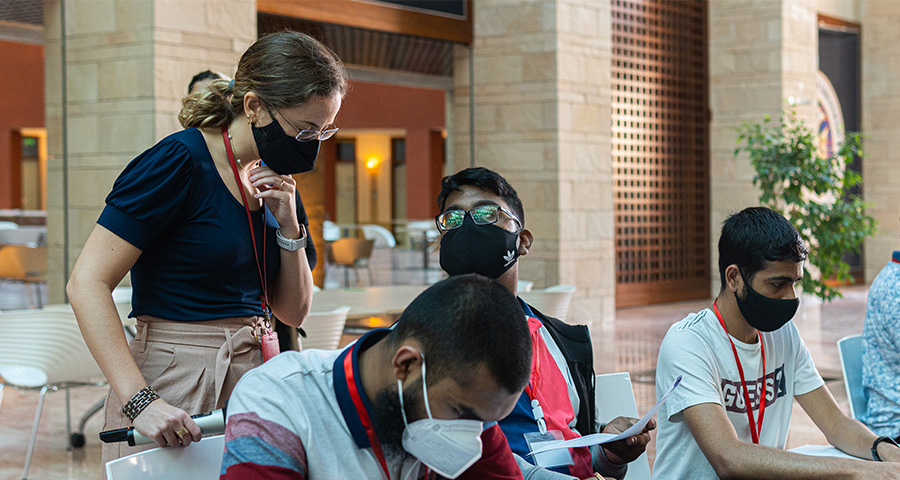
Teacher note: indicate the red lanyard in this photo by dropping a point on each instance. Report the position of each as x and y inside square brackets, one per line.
[755, 428]
[363, 415]
[261, 269]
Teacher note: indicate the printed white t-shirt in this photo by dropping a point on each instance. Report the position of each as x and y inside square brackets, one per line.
[698, 348]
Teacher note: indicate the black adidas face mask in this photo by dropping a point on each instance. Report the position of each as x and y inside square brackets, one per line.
[763, 313]
[282, 153]
[487, 250]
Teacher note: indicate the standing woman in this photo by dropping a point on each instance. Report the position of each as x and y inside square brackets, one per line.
[206, 220]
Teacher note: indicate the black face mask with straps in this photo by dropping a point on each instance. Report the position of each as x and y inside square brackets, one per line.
[763, 313]
[281, 152]
[487, 250]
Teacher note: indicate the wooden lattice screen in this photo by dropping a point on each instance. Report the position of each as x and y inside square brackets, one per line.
[660, 150]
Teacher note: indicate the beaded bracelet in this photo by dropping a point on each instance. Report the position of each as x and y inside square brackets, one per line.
[139, 402]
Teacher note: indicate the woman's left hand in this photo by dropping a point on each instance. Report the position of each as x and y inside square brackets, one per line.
[277, 191]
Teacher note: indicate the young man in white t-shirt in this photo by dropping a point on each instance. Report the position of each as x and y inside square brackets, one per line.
[705, 429]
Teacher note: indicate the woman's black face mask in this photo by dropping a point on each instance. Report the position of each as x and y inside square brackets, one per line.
[281, 152]
[763, 313]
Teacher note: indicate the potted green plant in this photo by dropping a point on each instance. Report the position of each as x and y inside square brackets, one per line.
[813, 190]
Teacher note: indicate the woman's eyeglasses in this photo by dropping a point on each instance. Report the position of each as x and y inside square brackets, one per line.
[310, 135]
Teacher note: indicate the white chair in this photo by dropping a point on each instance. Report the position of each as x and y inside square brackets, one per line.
[850, 352]
[330, 231]
[122, 298]
[324, 329]
[552, 301]
[21, 236]
[524, 286]
[614, 397]
[5, 225]
[197, 461]
[382, 236]
[44, 350]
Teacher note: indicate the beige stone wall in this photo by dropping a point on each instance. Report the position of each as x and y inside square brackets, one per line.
[760, 54]
[128, 63]
[542, 119]
[880, 43]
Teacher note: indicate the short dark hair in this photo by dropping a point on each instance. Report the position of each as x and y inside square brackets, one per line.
[484, 179]
[204, 75]
[755, 236]
[466, 321]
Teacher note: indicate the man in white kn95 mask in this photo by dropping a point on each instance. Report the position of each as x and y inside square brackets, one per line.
[418, 401]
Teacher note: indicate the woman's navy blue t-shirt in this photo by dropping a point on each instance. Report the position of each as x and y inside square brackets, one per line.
[197, 260]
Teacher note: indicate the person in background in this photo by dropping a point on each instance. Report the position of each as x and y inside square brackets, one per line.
[212, 239]
[203, 79]
[482, 223]
[743, 363]
[402, 403]
[881, 352]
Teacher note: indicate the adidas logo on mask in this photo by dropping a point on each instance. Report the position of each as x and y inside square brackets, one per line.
[509, 257]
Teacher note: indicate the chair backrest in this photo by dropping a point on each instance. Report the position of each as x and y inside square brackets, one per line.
[348, 251]
[48, 340]
[197, 461]
[524, 286]
[5, 225]
[122, 298]
[324, 329]
[330, 231]
[850, 352]
[20, 236]
[122, 294]
[614, 397]
[24, 263]
[552, 301]
[382, 236]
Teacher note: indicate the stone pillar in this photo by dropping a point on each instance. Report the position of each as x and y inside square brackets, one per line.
[760, 54]
[880, 111]
[128, 63]
[542, 119]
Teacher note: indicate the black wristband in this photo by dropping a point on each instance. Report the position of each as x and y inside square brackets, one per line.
[878, 440]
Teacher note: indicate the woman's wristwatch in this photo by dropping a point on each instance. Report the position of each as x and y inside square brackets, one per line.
[289, 244]
[878, 440]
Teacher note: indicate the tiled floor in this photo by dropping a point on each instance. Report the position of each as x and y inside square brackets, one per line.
[632, 345]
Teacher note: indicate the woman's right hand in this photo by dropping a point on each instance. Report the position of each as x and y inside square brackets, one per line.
[160, 422]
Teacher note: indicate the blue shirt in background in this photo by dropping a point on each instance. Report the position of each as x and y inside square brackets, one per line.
[881, 352]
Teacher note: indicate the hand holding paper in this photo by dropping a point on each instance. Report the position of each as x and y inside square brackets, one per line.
[600, 438]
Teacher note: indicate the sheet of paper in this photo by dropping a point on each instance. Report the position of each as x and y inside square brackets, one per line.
[822, 451]
[599, 438]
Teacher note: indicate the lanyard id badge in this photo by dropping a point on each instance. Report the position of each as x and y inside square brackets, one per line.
[553, 458]
[535, 440]
[267, 338]
[265, 335]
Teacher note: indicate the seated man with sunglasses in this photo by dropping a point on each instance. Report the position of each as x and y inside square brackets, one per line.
[482, 231]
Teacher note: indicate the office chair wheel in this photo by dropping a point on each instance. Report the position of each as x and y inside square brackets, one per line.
[77, 440]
